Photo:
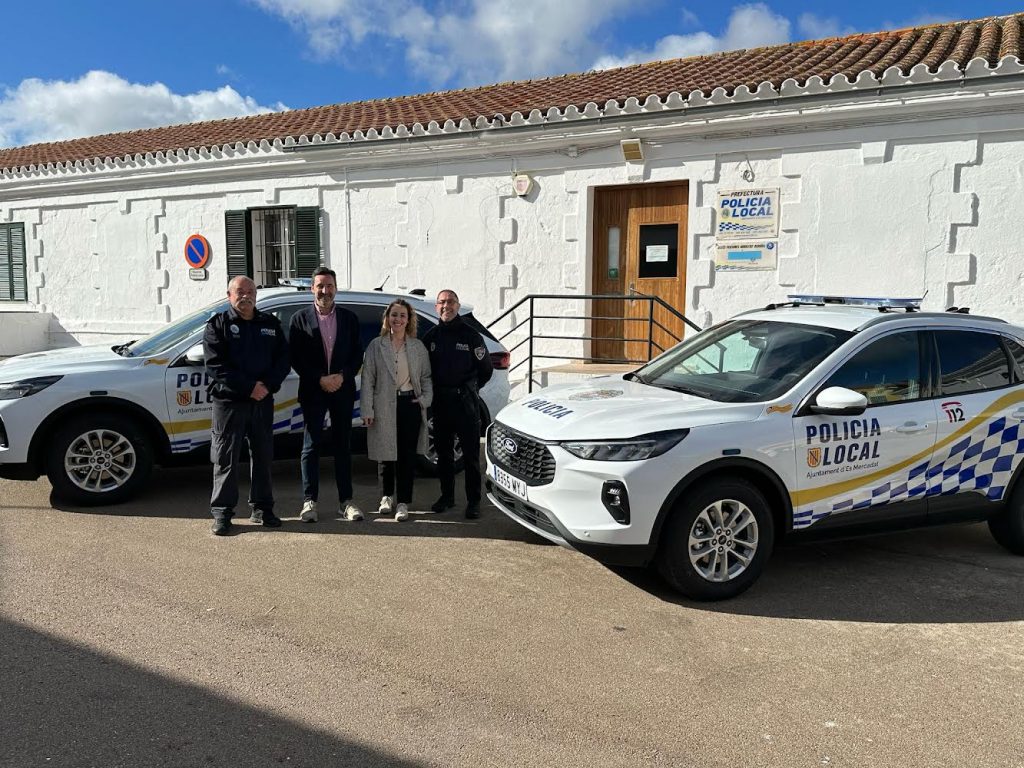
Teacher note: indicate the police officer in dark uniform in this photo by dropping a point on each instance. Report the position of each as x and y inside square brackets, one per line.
[460, 366]
[247, 359]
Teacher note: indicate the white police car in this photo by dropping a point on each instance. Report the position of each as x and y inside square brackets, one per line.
[805, 417]
[96, 419]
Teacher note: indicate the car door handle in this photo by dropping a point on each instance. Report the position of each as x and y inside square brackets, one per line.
[1018, 414]
[911, 428]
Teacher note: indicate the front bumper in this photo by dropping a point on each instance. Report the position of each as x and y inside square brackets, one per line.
[546, 525]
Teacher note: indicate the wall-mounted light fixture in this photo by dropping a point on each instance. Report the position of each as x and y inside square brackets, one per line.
[632, 150]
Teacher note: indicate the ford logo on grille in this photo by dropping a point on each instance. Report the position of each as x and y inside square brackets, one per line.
[510, 445]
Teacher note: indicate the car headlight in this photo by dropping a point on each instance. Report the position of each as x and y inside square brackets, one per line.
[12, 390]
[632, 449]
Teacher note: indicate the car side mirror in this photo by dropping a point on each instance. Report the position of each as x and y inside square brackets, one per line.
[196, 356]
[839, 401]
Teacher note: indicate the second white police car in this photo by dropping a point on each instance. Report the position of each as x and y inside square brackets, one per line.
[819, 414]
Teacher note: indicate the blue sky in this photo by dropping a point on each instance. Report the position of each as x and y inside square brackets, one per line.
[74, 68]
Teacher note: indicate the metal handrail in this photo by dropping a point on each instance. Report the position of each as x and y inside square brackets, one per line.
[528, 321]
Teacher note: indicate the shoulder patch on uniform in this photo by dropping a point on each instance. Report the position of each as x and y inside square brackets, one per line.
[480, 352]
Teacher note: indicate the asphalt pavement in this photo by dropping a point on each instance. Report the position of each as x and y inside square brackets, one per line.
[130, 636]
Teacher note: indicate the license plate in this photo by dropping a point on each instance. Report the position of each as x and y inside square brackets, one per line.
[513, 485]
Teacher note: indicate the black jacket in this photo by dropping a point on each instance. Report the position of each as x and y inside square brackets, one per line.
[458, 356]
[307, 350]
[241, 352]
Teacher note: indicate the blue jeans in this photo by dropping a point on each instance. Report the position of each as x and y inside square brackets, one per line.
[339, 406]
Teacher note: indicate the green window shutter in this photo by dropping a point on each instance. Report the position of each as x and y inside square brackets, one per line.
[307, 241]
[13, 273]
[238, 230]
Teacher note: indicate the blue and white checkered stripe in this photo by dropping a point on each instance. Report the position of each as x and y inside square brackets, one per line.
[731, 226]
[983, 460]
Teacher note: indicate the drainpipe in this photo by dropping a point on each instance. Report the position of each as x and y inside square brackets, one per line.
[348, 233]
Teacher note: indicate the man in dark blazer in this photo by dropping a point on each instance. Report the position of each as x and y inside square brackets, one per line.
[326, 353]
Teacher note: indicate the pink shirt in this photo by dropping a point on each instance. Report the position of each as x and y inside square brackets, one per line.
[328, 331]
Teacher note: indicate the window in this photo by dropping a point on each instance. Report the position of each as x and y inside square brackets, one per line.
[886, 371]
[13, 278]
[271, 244]
[971, 362]
[1017, 352]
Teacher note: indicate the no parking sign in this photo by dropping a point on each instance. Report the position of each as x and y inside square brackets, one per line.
[197, 254]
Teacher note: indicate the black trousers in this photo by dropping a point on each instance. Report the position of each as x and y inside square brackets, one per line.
[408, 422]
[253, 422]
[456, 414]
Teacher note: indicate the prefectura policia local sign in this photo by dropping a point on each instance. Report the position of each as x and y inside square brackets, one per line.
[747, 214]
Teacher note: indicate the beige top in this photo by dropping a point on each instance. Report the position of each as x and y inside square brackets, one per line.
[402, 369]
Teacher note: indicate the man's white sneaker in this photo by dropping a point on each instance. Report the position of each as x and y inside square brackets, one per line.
[402, 513]
[350, 511]
[387, 505]
[309, 512]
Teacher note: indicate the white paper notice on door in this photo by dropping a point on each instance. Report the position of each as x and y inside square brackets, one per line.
[656, 253]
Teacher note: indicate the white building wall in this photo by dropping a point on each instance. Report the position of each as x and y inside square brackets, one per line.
[893, 210]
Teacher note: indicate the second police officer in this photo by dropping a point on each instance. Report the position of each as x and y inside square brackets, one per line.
[460, 367]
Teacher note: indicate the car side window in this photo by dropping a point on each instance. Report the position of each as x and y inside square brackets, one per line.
[370, 317]
[286, 313]
[886, 371]
[970, 361]
[1017, 352]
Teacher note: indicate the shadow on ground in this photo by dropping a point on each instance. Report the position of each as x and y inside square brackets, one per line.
[62, 704]
[949, 574]
[184, 492]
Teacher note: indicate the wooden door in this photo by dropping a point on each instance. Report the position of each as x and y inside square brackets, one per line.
[639, 248]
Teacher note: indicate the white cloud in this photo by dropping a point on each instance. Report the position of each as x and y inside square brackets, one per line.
[463, 42]
[101, 102]
[814, 27]
[749, 26]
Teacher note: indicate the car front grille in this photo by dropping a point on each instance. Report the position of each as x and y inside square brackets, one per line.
[523, 509]
[520, 455]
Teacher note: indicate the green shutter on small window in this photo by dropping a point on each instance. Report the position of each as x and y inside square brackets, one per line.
[238, 230]
[19, 277]
[13, 274]
[307, 241]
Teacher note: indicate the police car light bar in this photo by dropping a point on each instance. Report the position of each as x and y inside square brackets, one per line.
[296, 282]
[858, 301]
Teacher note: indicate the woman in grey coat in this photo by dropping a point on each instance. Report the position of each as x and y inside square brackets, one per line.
[394, 396]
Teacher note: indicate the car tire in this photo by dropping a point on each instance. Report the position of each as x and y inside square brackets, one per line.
[427, 463]
[98, 459]
[702, 555]
[1007, 527]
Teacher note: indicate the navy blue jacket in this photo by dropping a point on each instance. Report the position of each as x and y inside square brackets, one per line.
[307, 352]
[241, 352]
[458, 356]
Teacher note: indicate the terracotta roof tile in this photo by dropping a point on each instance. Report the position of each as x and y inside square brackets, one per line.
[959, 42]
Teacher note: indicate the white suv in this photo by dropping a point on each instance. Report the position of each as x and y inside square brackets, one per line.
[95, 419]
[805, 417]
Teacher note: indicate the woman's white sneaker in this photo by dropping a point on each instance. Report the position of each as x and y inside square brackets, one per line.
[387, 505]
[402, 513]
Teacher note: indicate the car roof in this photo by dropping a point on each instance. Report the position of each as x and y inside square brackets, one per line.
[278, 294]
[856, 318]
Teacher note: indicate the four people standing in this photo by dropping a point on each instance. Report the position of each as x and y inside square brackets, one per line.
[461, 366]
[326, 354]
[246, 359]
[395, 394]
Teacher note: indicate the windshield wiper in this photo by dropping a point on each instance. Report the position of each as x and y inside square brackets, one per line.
[706, 394]
[634, 376]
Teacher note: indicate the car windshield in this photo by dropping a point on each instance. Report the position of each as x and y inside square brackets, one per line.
[743, 361]
[173, 334]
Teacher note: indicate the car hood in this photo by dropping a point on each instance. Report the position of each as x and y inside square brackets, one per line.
[609, 407]
[63, 362]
